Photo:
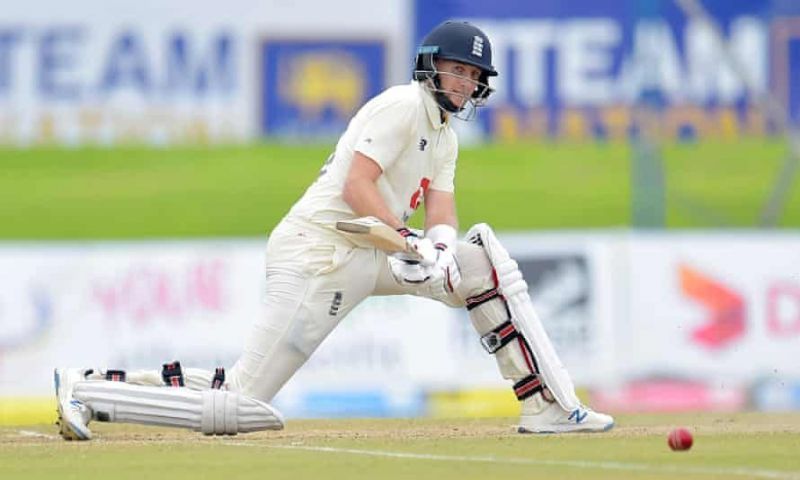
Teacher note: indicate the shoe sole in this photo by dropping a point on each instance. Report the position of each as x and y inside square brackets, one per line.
[66, 429]
[565, 429]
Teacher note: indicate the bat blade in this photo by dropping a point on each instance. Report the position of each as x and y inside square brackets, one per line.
[370, 231]
[353, 226]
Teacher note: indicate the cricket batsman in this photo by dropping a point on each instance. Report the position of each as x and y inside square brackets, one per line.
[398, 152]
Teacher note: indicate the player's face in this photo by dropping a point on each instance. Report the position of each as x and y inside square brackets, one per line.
[458, 80]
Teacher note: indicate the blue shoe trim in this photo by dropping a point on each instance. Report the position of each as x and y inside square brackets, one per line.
[77, 431]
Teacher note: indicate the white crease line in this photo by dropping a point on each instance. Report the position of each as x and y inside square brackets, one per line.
[31, 433]
[585, 464]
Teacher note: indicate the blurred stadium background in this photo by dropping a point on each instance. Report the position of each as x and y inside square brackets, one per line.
[639, 158]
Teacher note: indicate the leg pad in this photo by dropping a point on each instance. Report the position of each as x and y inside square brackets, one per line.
[213, 412]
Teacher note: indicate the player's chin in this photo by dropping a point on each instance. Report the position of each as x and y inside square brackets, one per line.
[459, 101]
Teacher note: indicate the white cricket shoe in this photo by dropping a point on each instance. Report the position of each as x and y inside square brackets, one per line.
[73, 415]
[540, 416]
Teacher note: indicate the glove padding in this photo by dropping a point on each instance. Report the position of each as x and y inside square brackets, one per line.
[428, 262]
[408, 269]
[421, 247]
[448, 266]
[444, 238]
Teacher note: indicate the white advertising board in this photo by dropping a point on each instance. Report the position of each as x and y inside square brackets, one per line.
[123, 306]
[619, 306]
[714, 306]
[173, 71]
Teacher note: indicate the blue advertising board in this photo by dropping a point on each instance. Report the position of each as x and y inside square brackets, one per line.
[311, 88]
[579, 68]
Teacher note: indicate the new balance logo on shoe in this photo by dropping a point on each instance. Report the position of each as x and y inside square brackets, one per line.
[578, 415]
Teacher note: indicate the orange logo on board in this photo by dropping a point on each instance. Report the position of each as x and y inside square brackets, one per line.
[726, 320]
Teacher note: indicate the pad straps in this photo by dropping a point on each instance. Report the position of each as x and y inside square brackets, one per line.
[499, 337]
[115, 375]
[172, 373]
[504, 333]
[481, 298]
[219, 379]
[528, 387]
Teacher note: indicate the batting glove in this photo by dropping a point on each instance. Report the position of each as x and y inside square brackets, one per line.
[444, 239]
[422, 247]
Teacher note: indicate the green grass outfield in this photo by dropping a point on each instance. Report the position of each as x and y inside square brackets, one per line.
[727, 446]
[138, 192]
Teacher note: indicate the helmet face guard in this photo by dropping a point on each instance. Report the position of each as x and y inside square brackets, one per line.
[431, 78]
[460, 42]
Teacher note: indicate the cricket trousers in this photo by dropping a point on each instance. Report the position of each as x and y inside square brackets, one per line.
[314, 278]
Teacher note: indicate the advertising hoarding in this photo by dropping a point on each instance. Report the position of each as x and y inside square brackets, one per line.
[577, 69]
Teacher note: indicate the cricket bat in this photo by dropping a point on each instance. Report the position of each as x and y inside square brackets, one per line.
[370, 231]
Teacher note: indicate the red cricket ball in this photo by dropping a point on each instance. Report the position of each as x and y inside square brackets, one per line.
[680, 439]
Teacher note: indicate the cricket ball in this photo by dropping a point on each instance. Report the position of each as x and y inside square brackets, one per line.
[680, 439]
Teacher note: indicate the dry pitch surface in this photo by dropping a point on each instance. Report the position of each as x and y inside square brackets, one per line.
[727, 446]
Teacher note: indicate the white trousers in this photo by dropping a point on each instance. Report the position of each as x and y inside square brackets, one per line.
[314, 279]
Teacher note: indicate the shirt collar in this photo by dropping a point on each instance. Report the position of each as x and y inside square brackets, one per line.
[431, 107]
